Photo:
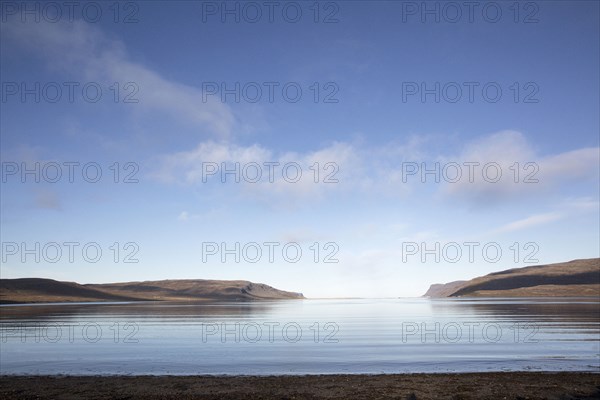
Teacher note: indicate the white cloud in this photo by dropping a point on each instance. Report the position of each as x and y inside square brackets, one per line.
[186, 216]
[187, 166]
[339, 167]
[86, 52]
[571, 165]
[566, 209]
[582, 204]
[531, 221]
[183, 216]
[47, 199]
[375, 171]
[301, 236]
[523, 171]
[208, 162]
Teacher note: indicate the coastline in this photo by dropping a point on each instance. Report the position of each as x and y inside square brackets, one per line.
[481, 385]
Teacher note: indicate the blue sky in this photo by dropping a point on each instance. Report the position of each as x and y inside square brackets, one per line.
[172, 56]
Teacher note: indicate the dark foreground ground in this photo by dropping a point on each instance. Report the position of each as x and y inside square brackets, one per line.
[504, 385]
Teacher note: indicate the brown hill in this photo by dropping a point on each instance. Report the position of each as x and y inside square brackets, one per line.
[443, 289]
[569, 279]
[38, 290]
[186, 289]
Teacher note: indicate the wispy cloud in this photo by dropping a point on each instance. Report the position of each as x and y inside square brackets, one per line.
[523, 171]
[378, 170]
[583, 204]
[264, 174]
[85, 52]
[572, 165]
[531, 221]
[184, 216]
[47, 199]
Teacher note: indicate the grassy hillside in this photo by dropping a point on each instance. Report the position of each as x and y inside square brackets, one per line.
[570, 279]
[38, 290]
[444, 289]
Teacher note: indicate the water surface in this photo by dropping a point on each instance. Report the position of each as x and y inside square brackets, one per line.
[301, 337]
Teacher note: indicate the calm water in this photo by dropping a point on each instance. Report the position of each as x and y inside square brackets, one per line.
[301, 337]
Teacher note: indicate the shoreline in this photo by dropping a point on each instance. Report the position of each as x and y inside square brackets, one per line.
[480, 385]
[4, 303]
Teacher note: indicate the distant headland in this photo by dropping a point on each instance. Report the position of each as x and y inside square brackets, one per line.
[577, 278]
[39, 290]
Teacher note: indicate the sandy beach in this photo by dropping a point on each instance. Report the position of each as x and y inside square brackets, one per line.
[504, 385]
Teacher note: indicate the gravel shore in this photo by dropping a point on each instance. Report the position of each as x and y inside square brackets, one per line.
[496, 385]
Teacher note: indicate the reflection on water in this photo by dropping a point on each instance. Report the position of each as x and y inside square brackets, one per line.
[301, 336]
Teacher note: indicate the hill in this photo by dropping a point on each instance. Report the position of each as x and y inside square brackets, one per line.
[38, 290]
[577, 278]
[443, 289]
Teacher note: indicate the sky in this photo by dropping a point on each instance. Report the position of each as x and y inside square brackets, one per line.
[338, 149]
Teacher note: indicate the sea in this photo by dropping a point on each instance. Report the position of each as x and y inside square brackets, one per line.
[312, 336]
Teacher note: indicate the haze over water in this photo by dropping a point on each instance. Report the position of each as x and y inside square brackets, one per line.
[301, 337]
